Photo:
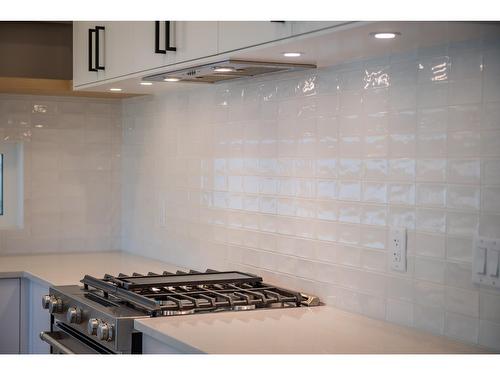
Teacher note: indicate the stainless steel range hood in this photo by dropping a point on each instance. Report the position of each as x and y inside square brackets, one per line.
[226, 70]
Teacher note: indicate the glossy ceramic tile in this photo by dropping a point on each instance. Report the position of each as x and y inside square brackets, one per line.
[72, 155]
[302, 183]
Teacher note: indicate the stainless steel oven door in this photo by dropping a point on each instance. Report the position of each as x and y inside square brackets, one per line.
[65, 340]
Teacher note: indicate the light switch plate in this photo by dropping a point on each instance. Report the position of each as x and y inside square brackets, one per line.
[485, 261]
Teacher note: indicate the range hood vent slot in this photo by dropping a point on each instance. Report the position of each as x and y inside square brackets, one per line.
[227, 70]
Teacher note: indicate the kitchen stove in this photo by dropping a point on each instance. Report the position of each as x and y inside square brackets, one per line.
[99, 317]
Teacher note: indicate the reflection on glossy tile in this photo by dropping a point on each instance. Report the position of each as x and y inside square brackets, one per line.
[402, 194]
[431, 195]
[463, 197]
[431, 170]
[303, 174]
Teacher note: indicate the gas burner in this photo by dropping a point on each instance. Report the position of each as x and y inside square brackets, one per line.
[192, 292]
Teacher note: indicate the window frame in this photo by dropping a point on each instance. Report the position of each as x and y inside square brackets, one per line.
[12, 189]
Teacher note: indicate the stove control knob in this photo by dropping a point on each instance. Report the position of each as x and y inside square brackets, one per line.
[74, 315]
[46, 301]
[105, 332]
[92, 326]
[55, 305]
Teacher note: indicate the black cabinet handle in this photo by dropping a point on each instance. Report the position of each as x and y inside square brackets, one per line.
[97, 29]
[157, 38]
[168, 46]
[91, 51]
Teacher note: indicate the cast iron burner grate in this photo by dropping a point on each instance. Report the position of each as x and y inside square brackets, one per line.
[195, 292]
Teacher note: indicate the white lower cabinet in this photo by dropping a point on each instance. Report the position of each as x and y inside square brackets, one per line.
[150, 345]
[10, 313]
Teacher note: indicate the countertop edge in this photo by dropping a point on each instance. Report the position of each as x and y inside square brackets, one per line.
[164, 338]
[24, 274]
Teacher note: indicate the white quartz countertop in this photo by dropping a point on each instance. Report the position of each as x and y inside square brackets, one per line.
[296, 330]
[69, 268]
[314, 330]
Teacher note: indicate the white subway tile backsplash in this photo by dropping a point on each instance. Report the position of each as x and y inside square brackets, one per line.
[458, 275]
[374, 215]
[431, 245]
[68, 157]
[400, 288]
[459, 249]
[401, 169]
[431, 220]
[464, 117]
[464, 171]
[432, 119]
[400, 312]
[430, 269]
[489, 306]
[465, 91]
[490, 197]
[461, 327]
[431, 195]
[461, 223]
[462, 301]
[489, 334]
[402, 145]
[403, 194]
[463, 197]
[491, 171]
[429, 318]
[374, 192]
[431, 170]
[305, 182]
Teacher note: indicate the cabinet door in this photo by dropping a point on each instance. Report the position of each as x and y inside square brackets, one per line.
[10, 299]
[301, 27]
[39, 319]
[194, 39]
[81, 73]
[130, 46]
[235, 35]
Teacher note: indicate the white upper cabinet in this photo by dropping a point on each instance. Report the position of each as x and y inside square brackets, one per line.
[302, 27]
[117, 48]
[84, 39]
[235, 35]
[140, 46]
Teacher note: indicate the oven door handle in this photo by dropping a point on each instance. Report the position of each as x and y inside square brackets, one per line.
[49, 339]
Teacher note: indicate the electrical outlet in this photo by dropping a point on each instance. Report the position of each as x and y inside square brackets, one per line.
[397, 249]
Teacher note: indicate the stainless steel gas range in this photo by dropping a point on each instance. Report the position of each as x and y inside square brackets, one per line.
[98, 317]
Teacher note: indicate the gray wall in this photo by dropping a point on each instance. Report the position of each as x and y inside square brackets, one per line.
[36, 50]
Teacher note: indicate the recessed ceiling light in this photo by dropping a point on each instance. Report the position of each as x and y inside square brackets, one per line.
[171, 79]
[385, 35]
[292, 54]
[224, 69]
[115, 89]
[146, 83]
